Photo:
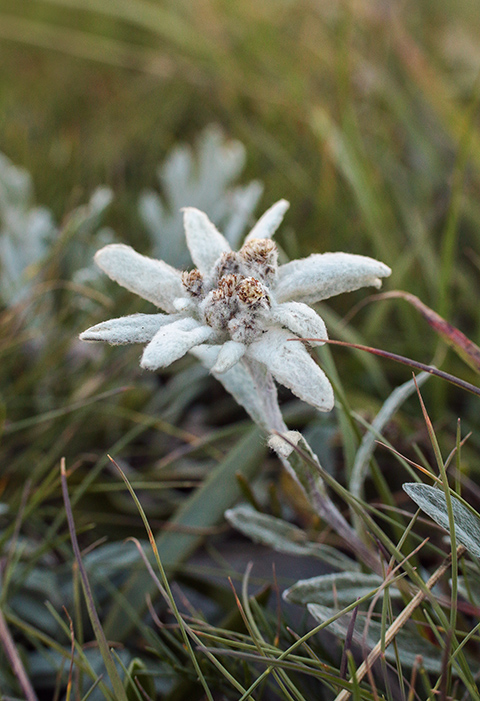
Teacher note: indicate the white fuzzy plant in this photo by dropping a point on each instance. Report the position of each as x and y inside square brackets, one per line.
[28, 233]
[239, 313]
[202, 177]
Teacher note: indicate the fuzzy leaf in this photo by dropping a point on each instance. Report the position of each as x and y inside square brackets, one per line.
[432, 501]
[282, 536]
[338, 589]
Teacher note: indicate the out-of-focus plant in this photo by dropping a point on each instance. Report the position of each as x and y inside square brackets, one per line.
[203, 177]
[29, 234]
[26, 233]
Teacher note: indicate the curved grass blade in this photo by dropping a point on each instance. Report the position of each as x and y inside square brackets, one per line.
[466, 349]
[404, 361]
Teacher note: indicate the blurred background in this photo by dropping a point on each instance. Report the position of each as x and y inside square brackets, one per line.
[363, 114]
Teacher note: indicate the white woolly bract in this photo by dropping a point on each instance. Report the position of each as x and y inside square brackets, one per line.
[301, 320]
[230, 353]
[269, 222]
[324, 275]
[205, 243]
[151, 279]
[173, 341]
[136, 328]
[291, 365]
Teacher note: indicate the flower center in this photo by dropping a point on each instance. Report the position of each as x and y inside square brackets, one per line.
[235, 299]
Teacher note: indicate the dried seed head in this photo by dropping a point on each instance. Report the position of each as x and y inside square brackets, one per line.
[252, 292]
[193, 282]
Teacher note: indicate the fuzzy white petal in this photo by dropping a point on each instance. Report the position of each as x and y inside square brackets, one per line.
[291, 365]
[230, 354]
[136, 328]
[154, 280]
[269, 222]
[300, 319]
[173, 341]
[323, 275]
[237, 381]
[204, 242]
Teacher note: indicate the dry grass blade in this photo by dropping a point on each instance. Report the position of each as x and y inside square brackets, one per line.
[165, 586]
[15, 660]
[348, 644]
[72, 655]
[399, 622]
[461, 344]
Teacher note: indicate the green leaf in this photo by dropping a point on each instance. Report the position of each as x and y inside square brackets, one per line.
[432, 501]
[338, 589]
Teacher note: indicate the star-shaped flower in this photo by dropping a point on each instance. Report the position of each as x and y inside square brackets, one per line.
[241, 304]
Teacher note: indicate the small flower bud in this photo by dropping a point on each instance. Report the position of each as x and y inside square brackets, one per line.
[252, 293]
[260, 256]
[217, 309]
[228, 284]
[227, 264]
[193, 282]
[243, 328]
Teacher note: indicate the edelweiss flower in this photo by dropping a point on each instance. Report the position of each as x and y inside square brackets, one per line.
[242, 304]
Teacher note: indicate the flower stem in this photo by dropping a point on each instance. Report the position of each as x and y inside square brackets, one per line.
[315, 488]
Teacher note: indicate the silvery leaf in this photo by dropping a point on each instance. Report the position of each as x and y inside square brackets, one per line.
[283, 536]
[338, 589]
[432, 501]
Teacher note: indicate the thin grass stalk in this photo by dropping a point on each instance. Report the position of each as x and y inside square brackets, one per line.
[114, 677]
[281, 677]
[448, 501]
[165, 583]
[191, 632]
[302, 640]
[81, 661]
[372, 525]
[465, 674]
[463, 384]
